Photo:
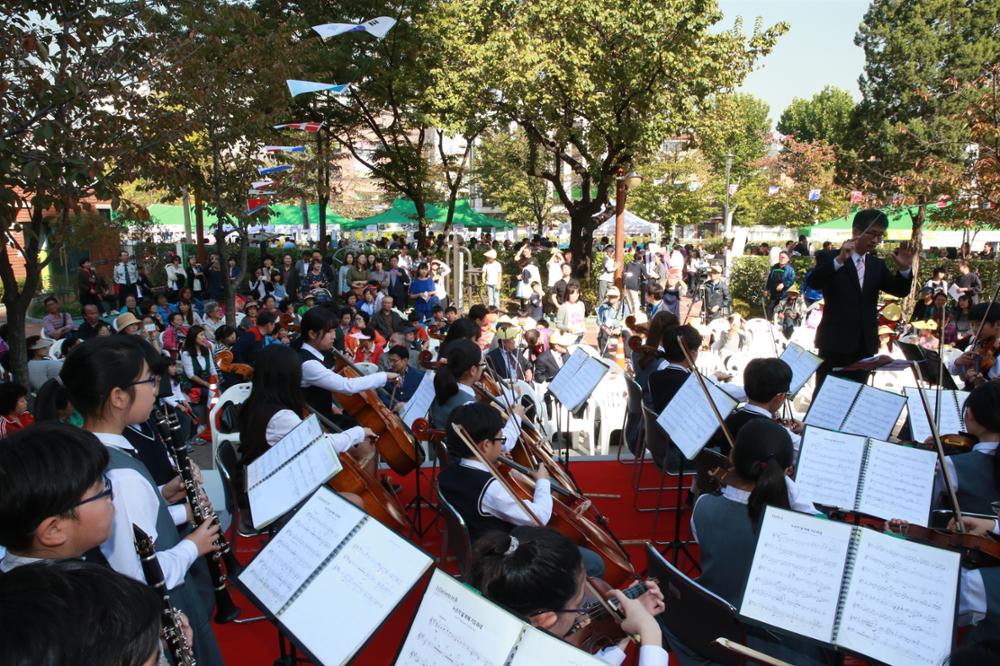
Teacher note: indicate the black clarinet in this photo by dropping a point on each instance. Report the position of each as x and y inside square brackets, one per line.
[172, 631]
[225, 609]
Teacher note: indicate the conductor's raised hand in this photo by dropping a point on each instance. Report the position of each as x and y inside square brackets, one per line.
[903, 255]
[845, 251]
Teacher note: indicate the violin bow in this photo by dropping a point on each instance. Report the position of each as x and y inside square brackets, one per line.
[463, 434]
[949, 487]
[940, 382]
[774, 347]
[704, 390]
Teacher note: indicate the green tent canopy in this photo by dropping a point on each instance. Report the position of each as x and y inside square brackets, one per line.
[404, 213]
[283, 215]
[900, 221]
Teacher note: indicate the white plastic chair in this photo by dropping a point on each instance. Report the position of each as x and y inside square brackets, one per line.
[43, 335]
[55, 351]
[236, 394]
[367, 368]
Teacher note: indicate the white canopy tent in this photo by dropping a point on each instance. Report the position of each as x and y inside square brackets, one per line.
[634, 226]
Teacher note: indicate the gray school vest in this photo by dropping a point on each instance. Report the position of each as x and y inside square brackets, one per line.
[183, 597]
[989, 626]
[726, 541]
[976, 484]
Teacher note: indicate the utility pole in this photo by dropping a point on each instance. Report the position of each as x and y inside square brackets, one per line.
[726, 221]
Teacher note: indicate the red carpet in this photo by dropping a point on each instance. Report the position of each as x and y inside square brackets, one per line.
[256, 644]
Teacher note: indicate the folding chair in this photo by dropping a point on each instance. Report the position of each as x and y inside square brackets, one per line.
[631, 423]
[666, 456]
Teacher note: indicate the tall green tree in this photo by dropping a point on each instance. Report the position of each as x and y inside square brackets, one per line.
[71, 74]
[505, 161]
[597, 85]
[825, 116]
[800, 167]
[674, 189]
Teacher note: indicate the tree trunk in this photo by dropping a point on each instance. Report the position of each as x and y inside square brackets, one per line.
[916, 239]
[199, 225]
[227, 288]
[581, 241]
[421, 208]
[17, 297]
[451, 213]
[17, 358]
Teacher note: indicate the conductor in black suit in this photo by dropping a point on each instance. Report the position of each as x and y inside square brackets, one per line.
[851, 282]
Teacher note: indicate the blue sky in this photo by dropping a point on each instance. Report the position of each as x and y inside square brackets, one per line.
[817, 50]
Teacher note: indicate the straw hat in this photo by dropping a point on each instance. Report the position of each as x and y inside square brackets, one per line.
[715, 269]
[614, 291]
[42, 343]
[490, 254]
[562, 339]
[928, 325]
[884, 330]
[123, 321]
[508, 333]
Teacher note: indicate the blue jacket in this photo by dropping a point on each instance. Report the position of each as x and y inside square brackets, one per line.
[411, 380]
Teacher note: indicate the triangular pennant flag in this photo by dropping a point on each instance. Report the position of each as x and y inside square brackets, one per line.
[733, 189]
[267, 171]
[942, 201]
[255, 204]
[301, 87]
[814, 195]
[260, 193]
[857, 196]
[377, 27]
[284, 149]
[261, 184]
[308, 127]
[772, 190]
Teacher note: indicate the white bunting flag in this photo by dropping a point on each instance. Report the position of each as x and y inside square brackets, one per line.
[377, 27]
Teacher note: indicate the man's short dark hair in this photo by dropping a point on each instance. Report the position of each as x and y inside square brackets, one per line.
[692, 340]
[869, 218]
[480, 421]
[990, 313]
[477, 311]
[10, 393]
[764, 378]
[49, 611]
[400, 351]
[44, 471]
[50, 299]
[264, 318]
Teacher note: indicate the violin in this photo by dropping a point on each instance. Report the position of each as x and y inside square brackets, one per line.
[635, 326]
[977, 551]
[599, 628]
[395, 442]
[224, 360]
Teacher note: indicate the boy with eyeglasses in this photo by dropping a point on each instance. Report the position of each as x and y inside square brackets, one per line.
[55, 499]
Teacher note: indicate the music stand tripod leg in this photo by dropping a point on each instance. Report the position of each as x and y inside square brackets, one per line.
[676, 546]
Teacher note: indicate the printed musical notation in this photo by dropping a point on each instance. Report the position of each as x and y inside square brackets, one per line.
[898, 483]
[874, 413]
[281, 491]
[951, 421]
[795, 578]
[803, 364]
[577, 379]
[830, 406]
[291, 444]
[900, 604]
[829, 466]
[689, 419]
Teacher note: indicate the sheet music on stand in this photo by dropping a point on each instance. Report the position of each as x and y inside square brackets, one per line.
[331, 577]
[689, 419]
[420, 402]
[952, 418]
[455, 626]
[855, 408]
[578, 378]
[803, 364]
[289, 471]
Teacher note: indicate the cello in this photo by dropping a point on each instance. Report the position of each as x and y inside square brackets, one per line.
[395, 442]
[378, 501]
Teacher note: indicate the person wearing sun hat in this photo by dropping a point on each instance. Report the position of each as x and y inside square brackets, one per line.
[611, 316]
[549, 362]
[790, 312]
[127, 324]
[505, 359]
[926, 333]
[492, 278]
[716, 300]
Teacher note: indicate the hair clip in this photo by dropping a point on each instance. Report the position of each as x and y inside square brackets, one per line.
[514, 543]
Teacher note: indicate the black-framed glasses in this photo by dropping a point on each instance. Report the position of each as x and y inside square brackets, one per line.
[153, 381]
[108, 492]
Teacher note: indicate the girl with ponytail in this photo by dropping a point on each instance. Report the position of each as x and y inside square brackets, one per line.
[537, 574]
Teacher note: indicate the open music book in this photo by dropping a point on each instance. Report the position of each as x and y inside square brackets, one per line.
[952, 419]
[332, 575]
[420, 402]
[856, 408]
[803, 364]
[876, 478]
[689, 419]
[860, 590]
[577, 379]
[298, 464]
[455, 625]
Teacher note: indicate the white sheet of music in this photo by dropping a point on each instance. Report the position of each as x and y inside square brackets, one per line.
[353, 594]
[803, 364]
[795, 578]
[900, 603]
[898, 482]
[830, 406]
[279, 493]
[291, 557]
[287, 447]
[829, 466]
[952, 403]
[420, 402]
[874, 413]
[539, 647]
[689, 419]
[577, 379]
[564, 377]
[455, 626]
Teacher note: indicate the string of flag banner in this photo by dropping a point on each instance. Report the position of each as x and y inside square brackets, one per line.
[258, 197]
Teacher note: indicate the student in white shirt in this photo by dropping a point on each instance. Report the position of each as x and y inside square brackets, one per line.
[537, 574]
[111, 383]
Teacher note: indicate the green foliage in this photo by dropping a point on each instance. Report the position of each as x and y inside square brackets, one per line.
[503, 163]
[673, 190]
[797, 169]
[826, 116]
[736, 123]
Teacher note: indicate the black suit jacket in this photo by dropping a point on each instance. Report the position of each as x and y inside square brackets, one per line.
[499, 364]
[664, 385]
[850, 320]
[546, 367]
